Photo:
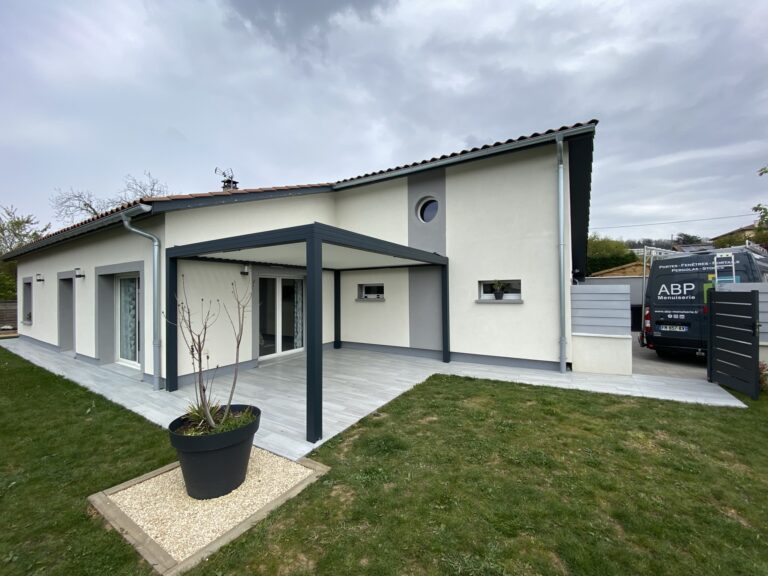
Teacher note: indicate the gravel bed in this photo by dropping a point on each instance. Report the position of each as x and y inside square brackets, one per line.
[182, 525]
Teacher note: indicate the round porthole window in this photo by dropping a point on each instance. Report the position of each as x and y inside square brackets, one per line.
[427, 209]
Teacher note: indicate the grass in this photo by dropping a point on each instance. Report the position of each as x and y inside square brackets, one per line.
[457, 476]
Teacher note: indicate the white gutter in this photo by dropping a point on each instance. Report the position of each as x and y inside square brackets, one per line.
[561, 244]
[156, 349]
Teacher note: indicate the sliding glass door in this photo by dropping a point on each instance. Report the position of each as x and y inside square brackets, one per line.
[281, 315]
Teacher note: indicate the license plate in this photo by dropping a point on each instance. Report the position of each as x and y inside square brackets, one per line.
[669, 328]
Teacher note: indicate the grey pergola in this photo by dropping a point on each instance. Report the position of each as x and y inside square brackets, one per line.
[314, 235]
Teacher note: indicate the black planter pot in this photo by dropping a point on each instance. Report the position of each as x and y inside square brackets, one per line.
[215, 464]
[498, 295]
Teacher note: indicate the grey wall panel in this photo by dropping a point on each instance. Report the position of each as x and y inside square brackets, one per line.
[66, 312]
[429, 236]
[635, 284]
[601, 309]
[424, 305]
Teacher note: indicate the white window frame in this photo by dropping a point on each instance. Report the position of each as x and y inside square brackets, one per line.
[515, 296]
[362, 296]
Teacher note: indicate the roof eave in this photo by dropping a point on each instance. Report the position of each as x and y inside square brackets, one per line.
[114, 218]
[469, 156]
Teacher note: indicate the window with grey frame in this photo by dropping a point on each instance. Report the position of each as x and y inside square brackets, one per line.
[26, 301]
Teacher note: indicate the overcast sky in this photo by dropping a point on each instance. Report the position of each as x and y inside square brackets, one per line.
[300, 92]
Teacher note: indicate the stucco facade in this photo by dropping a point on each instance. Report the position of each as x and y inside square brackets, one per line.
[496, 219]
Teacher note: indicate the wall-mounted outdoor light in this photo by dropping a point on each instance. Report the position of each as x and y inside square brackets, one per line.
[39, 278]
[246, 270]
[79, 273]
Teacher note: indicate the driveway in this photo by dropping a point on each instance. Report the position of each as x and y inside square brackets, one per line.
[646, 361]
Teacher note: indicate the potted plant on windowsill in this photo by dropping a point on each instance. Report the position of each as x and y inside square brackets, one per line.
[498, 289]
[213, 441]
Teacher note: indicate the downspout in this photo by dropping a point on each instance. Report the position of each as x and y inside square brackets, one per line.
[157, 379]
[561, 244]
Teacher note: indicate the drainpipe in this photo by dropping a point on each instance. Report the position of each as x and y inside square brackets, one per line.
[157, 380]
[561, 245]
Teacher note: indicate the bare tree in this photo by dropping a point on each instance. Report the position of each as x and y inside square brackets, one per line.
[194, 328]
[241, 302]
[73, 205]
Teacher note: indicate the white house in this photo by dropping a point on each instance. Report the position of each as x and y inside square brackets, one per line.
[403, 259]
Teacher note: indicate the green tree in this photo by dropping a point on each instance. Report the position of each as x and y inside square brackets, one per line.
[15, 231]
[604, 253]
[683, 238]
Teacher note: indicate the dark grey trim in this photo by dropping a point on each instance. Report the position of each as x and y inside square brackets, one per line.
[313, 235]
[42, 343]
[402, 350]
[467, 157]
[314, 338]
[66, 312]
[171, 328]
[237, 198]
[337, 309]
[26, 306]
[88, 359]
[114, 219]
[229, 369]
[105, 309]
[504, 361]
[364, 268]
[494, 301]
[370, 299]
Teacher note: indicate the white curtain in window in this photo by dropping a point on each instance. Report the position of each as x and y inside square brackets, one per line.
[298, 315]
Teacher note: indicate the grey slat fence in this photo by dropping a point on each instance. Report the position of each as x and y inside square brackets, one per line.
[600, 309]
[761, 287]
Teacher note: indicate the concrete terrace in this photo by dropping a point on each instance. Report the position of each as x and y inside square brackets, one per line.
[356, 383]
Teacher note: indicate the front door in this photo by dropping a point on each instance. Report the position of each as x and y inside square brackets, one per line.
[128, 320]
[281, 315]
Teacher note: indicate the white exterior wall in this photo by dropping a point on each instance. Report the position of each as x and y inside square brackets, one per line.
[379, 210]
[200, 224]
[502, 223]
[212, 282]
[375, 322]
[602, 354]
[102, 249]
[327, 306]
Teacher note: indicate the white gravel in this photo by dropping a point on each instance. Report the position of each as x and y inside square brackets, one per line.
[182, 525]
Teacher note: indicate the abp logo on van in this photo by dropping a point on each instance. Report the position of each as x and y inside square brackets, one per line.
[683, 289]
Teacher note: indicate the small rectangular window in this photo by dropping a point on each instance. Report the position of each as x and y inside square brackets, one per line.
[370, 291]
[499, 290]
[26, 301]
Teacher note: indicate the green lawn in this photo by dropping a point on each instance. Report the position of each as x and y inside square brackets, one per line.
[458, 476]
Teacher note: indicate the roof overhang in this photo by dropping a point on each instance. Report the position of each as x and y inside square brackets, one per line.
[344, 250]
[114, 217]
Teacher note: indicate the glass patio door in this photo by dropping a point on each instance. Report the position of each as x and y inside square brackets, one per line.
[281, 315]
[128, 319]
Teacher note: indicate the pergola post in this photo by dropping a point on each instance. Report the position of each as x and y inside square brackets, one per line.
[314, 342]
[171, 317]
[337, 309]
[445, 302]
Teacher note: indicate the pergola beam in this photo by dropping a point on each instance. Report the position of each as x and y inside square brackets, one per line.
[314, 235]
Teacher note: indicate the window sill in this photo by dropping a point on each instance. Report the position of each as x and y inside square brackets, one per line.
[370, 299]
[494, 301]
[27, 322]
